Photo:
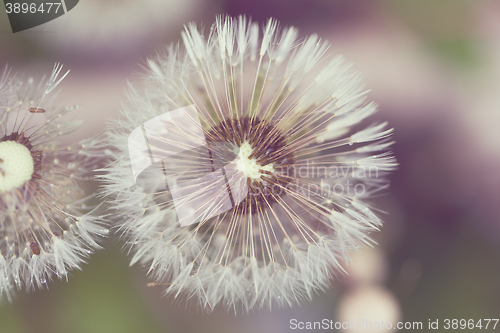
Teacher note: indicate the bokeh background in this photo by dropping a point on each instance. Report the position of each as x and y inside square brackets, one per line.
[433, 66]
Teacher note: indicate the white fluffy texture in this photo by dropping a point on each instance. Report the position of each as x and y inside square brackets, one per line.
[46, 226]
[249, 166]
[16, 165]
[284, 251]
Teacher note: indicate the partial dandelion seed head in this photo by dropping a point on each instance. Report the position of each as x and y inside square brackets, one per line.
[47, 227]
[241, 172]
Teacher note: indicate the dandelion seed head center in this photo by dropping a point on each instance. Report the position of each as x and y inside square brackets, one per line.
[249, 166]
[16, 165]
[262, 156]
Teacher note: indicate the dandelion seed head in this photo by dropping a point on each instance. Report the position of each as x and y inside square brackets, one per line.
[46, 227]
[240, 173]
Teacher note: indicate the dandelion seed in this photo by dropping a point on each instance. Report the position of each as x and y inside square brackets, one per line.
[35, 248]
[45, 227]
[226, 163]
[36, 110]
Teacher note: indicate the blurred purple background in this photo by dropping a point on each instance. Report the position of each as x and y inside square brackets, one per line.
[434, 69]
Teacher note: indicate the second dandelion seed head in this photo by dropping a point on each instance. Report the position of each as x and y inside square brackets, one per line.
[47, 226]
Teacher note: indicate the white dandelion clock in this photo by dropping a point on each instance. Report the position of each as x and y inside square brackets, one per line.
[47, 227]
[240, 175]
